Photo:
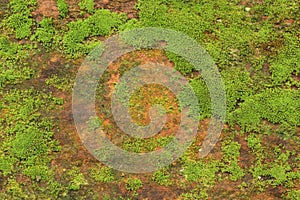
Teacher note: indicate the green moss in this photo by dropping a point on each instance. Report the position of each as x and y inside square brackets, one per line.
[21, 24]
[133, 184]
[61, 83]
[102, 174]
[230, 151]
[73, 39]
[145, 145]
[45, 32]
[7, 164]
[12, 71]
[201, 172]
[101, 23]
[20, 20]
[274, 10]
[11, 74]
[87, 5]
[278, 172]
[181, 64]
[196, 194]
[32, 142]
[254, 143]
[130, 24]
[62, 8]
[256, 52]
[76, 179]
[287, 62]
[15, 190]
[7, 48]
[94, 123]
[22, 6]
[27, 137]
[292, 195]
[238, 87]
[162, 177]
[274, 105]
[201, 91]
[38, 173]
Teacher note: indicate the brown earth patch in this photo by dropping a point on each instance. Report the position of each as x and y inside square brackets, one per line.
[121, 6]
[246, 157]
[46, 8]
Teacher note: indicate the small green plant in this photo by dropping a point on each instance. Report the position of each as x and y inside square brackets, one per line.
[102, 174]
[230, 159]
[76, 179]
[287, 62]
[7, 164]
[130, 24]
[38, 173]
[60, 83]
[62, 8]
[201, 172]
[11, 74]
[286, 131]
[21, 24]
[133, 184]
[15, 190]
[254, 143]
[103, 22]
[145, 145]
[275, 105]
[238, 87]
[292, 195]
[279, 172]
[162, 177]
[121, 93]
[20, 20]
[45, 32]
[30, 143]
[195, 194]
[26, 137]
[73, 39]
[256, 49]
[22, 6]
[201, 91]
[87, 5]
[8, 49]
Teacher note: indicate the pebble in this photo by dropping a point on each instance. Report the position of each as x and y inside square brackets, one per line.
[38, 178]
